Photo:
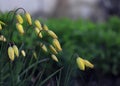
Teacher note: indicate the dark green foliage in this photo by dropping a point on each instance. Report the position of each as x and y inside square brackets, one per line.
[28, 70]
[99, 43]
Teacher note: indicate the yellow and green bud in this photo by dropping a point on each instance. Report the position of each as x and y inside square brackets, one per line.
[0, 27]
[38, 25]
[37, 30]
[53, 50]
[57, 45]
[88, 64]
[15, 48]
[40, 35]
[44, 48]
[28, 17]
[54, 57]
[80, 63]
[2, 38]
[45, 27]
[20, 28]
[52, 34]
[23, 53]
[19, 18]
[11, 53]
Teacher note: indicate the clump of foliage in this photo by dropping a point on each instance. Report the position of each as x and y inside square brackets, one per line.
[20, 58]
[29, 50]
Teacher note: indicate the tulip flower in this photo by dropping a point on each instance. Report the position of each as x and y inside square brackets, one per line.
[53, 50]
[88, 64]
[45, 27]
[80, 63]
[52, 34]
[28, 17]
[57, 45]
[20, 28]
[11, 53]
[54, 57]
[15, 48]
[38, 25]
[0, 27]
[19, 18]
[44, 48]
[23, 53]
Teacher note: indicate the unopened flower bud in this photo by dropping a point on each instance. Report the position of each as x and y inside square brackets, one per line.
[52, 34]
[45, 27]
[15, 48]
[19, 18]
[38, 25]
[37, 30]
[53, 50]
[28, 17]
[40, 35]
[23, 53]
[80, 63]
[54, 57]
[2, 38]
[57, 44]
[0, 27]
[44, 48]
[11, 53]
[88, 64]
[20, 28]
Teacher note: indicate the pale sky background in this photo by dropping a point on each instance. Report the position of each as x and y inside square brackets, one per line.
[75, 8]
[29, 5]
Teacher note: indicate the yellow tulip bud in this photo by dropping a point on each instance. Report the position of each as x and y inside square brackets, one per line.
[11, 53]
[0, 27]
[40, 35]
[52, 34]
[88, 64]
[45, 27]
[20, 28]
[80, 63]
[54, 57]
[16, 50]
[44, 48]
[37, 30]
[23, 53]
[2, 38]
[57, 44]
[38, 25]
[19, 18]
[53, 49]
[28, 17]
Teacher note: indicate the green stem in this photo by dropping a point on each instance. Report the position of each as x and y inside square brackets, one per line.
[33, 66]
[11, 73]
[58, 81]
[50, 76]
